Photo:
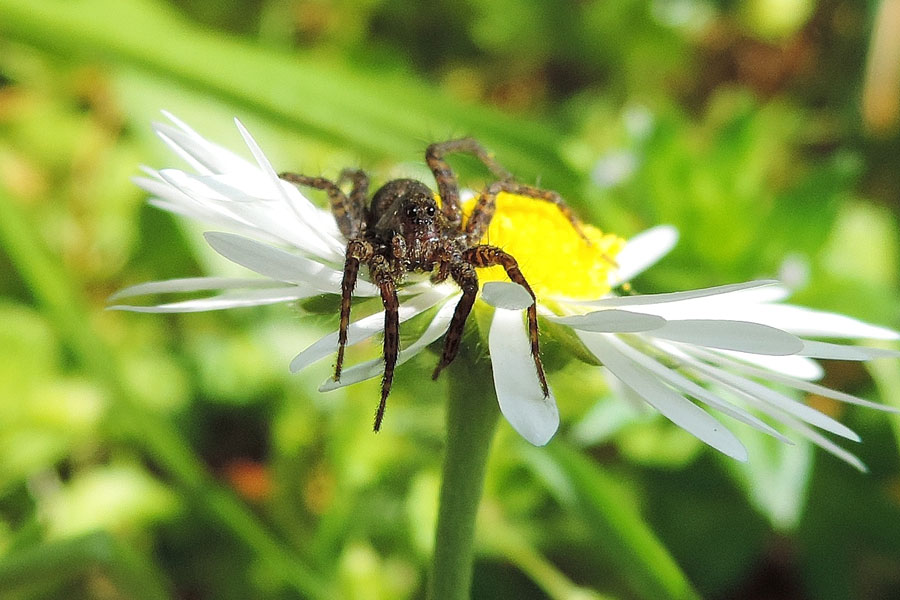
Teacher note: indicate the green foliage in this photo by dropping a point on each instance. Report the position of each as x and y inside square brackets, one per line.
[175, 456]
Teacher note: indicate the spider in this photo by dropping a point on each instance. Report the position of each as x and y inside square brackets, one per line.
[404, 229]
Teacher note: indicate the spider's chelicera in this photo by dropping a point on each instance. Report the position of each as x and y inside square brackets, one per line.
[404, 229]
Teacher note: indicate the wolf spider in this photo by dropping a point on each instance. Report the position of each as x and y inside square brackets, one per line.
[404, 230]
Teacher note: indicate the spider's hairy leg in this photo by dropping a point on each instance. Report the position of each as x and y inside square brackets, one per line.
[488, 256]
[484, 209]
[448, 186]
[381, 274]
[465, 276]
[348, 215]
[359, 191]
[357, 250]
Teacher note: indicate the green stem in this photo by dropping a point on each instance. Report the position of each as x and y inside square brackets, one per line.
[472, 414]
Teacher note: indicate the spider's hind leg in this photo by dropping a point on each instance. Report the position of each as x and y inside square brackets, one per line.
[484, 209]
[359, 191]
[488, 256]
[465, 276]
[448, 186]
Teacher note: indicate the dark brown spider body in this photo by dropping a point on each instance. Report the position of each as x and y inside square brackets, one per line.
[405, 217]
[403, 230]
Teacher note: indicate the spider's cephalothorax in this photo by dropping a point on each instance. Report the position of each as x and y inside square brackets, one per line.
[404, 229]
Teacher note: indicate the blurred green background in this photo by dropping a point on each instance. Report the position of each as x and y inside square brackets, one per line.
[174, 456]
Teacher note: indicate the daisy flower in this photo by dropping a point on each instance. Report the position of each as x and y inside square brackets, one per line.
[736, 349]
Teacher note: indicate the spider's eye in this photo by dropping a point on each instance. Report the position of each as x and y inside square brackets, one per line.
[410, 211]
[430, 211]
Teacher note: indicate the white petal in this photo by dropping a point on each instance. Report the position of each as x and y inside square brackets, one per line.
[814, 323]
[844, 352]
[519, 394]
[234, 299]
[774, 292]
[169, 198]
[642, 251]
[612, 321]
[365, 328]
[204, 156]
[312, 230]
[270, 185]
[619, 390]
[192, 284]
[283, 266]
[670, 403]
[794, 382]
[195, 190]
[740, 336]
[738, 305]
[505, 294]
[170, 137]
[272, 217]
[304, 210]
[200, 214]
[156, 185]
[180, 124]
[653, 299]
[679, 381]
[754, 391]
[791, 365]
[273, 186]
[375, 367]
[817, 438]
[261, 160]
[253, 194]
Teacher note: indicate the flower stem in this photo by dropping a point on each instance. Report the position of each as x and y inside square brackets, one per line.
[472, 414]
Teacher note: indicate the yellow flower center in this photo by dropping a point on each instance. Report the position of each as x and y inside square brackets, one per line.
[553, 257]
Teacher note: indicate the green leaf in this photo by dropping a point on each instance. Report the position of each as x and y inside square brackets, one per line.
[132, 575]
[321, 100]
[67, 309]
[579, 485]
[777, 477]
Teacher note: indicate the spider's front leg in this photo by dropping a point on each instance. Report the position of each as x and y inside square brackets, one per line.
[357, 250]
[488, 256]
[383, 278]
[448, 186]
[465, 276]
